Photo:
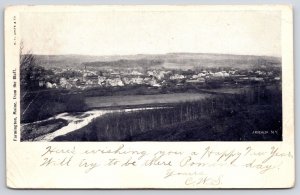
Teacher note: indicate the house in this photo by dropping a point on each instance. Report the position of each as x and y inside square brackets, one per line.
[114, 82]
[137, 80]
[101, 80]
[177, 77]
[41, 83]
[63, 81]
[136, 73]
[221, 74]
[49, 85]
[195, 81]
[154, 83]
[198, 75]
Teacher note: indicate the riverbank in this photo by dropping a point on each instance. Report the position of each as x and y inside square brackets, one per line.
[30, 131]
[64, 123]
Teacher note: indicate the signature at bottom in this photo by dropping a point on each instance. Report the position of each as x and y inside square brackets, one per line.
[205, 180]
[195, 178]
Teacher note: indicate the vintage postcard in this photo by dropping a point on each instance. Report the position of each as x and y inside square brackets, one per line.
[149, 96]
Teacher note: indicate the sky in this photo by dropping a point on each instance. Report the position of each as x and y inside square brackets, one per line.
[123, 32]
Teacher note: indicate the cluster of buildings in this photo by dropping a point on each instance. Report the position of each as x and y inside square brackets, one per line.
[154, 78]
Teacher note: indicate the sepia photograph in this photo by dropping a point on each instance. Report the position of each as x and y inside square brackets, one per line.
[149, 97]
[151, 76]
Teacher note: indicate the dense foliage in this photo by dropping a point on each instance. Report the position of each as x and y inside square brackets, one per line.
[48, 103]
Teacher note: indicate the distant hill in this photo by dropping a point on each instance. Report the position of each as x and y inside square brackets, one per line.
[170, 60]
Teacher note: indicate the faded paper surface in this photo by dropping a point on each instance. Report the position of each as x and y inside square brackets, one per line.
[116, 31]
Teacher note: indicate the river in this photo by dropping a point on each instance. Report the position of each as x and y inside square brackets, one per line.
[79, 120]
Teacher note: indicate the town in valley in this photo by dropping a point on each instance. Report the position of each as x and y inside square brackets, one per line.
[170, 97]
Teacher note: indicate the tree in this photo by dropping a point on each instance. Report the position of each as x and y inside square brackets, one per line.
[30, 73]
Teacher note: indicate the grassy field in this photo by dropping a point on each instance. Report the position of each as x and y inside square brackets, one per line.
[130, 100]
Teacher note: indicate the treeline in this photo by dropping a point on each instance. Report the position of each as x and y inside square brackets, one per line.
[139, 63]
[222, 117]
[31, 73]
[39, 105]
